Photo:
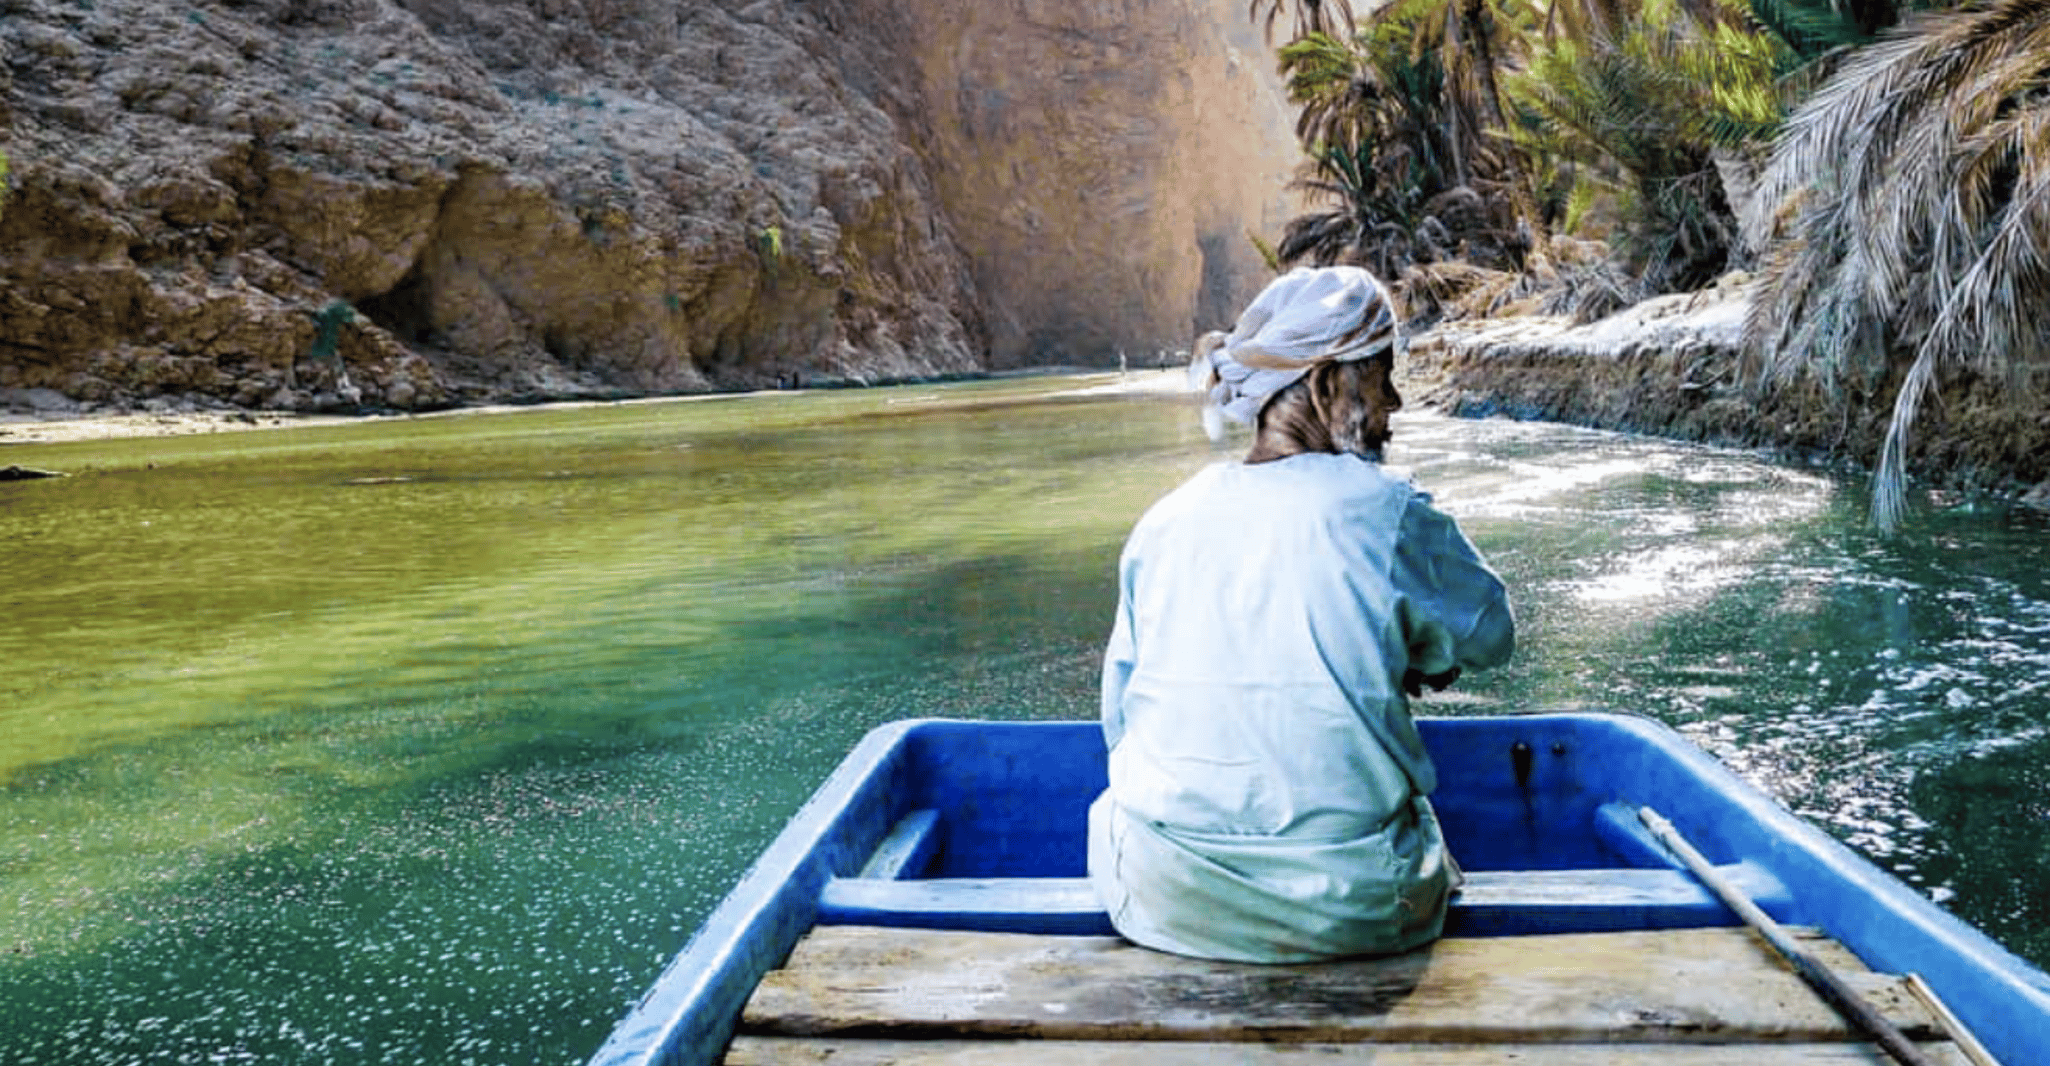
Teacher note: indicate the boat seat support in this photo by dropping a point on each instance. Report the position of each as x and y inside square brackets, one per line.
[1492, 902]
[909, 848]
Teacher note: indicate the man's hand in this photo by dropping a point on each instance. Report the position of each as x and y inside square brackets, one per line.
[1413, 681]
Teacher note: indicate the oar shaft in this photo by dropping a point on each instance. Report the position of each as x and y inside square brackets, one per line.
[1819, 976]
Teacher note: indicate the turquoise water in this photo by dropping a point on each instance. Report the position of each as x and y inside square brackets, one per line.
[431, 740]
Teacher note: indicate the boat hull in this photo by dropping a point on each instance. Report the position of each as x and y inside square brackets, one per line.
[982, 826]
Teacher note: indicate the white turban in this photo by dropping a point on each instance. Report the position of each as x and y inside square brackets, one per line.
[1308, 316]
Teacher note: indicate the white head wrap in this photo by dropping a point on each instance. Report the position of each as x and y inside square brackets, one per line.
[1308, 316]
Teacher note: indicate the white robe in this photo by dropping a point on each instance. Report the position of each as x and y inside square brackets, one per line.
[1267, 784]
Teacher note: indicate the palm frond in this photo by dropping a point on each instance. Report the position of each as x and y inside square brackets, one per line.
[1813, 29]
[1922, 174]
[1638, 110]
[1309, 16]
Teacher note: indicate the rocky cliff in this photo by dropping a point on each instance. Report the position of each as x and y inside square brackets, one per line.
[307, 204]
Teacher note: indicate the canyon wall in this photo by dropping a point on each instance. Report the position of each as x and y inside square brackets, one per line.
[398, 204]
[1106, 162]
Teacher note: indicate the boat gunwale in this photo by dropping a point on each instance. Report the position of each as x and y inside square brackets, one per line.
[1888, 925]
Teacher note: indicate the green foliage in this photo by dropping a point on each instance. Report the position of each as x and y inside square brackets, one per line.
[1604, 115]
[1919, 177]
[1267, 253]
[1627, 108]
[327, 330]
[1392, 164]
[1816, 29]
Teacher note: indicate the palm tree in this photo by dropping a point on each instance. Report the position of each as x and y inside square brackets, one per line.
[1401, 179]
[1466, 42]
[1328, 17]
[1339, 85]
[1630, 102]
[1920, 179]
[1368, 121]
[1478, 42]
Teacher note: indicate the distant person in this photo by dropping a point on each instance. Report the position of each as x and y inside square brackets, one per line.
[1267, 784]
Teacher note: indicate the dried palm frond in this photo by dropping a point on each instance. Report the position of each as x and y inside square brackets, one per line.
[1586, 292]
[1450, 290]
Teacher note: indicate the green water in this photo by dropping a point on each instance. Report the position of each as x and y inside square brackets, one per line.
[431, 740]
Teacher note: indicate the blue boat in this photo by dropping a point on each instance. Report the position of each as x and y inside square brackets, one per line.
[937, 883]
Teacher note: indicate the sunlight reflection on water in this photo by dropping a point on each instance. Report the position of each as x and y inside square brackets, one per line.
[428, 741]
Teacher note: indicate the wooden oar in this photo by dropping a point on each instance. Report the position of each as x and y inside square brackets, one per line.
[1817, 973]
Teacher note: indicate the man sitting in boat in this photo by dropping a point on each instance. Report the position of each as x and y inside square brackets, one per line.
[1267, 785]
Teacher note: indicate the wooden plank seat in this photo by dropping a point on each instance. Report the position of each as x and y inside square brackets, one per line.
[827, 1051]
[1698, 986]
[1493, 902]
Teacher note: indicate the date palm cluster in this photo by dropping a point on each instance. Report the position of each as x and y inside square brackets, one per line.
[1882, 167]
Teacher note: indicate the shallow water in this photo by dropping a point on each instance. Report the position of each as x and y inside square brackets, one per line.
[431, 740]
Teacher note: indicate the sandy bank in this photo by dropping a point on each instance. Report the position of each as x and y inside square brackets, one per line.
[61, 426]
[43, 429]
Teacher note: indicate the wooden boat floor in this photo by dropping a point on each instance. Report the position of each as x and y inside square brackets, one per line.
[860, 995]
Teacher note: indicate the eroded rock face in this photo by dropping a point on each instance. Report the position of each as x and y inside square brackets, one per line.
[1106, 161]
[311, 204]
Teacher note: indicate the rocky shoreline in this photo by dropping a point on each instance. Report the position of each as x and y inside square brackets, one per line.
[1670, 367]
[1675, 367]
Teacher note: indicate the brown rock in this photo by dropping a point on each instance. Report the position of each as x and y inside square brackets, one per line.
[26, 473]
[542, 199]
